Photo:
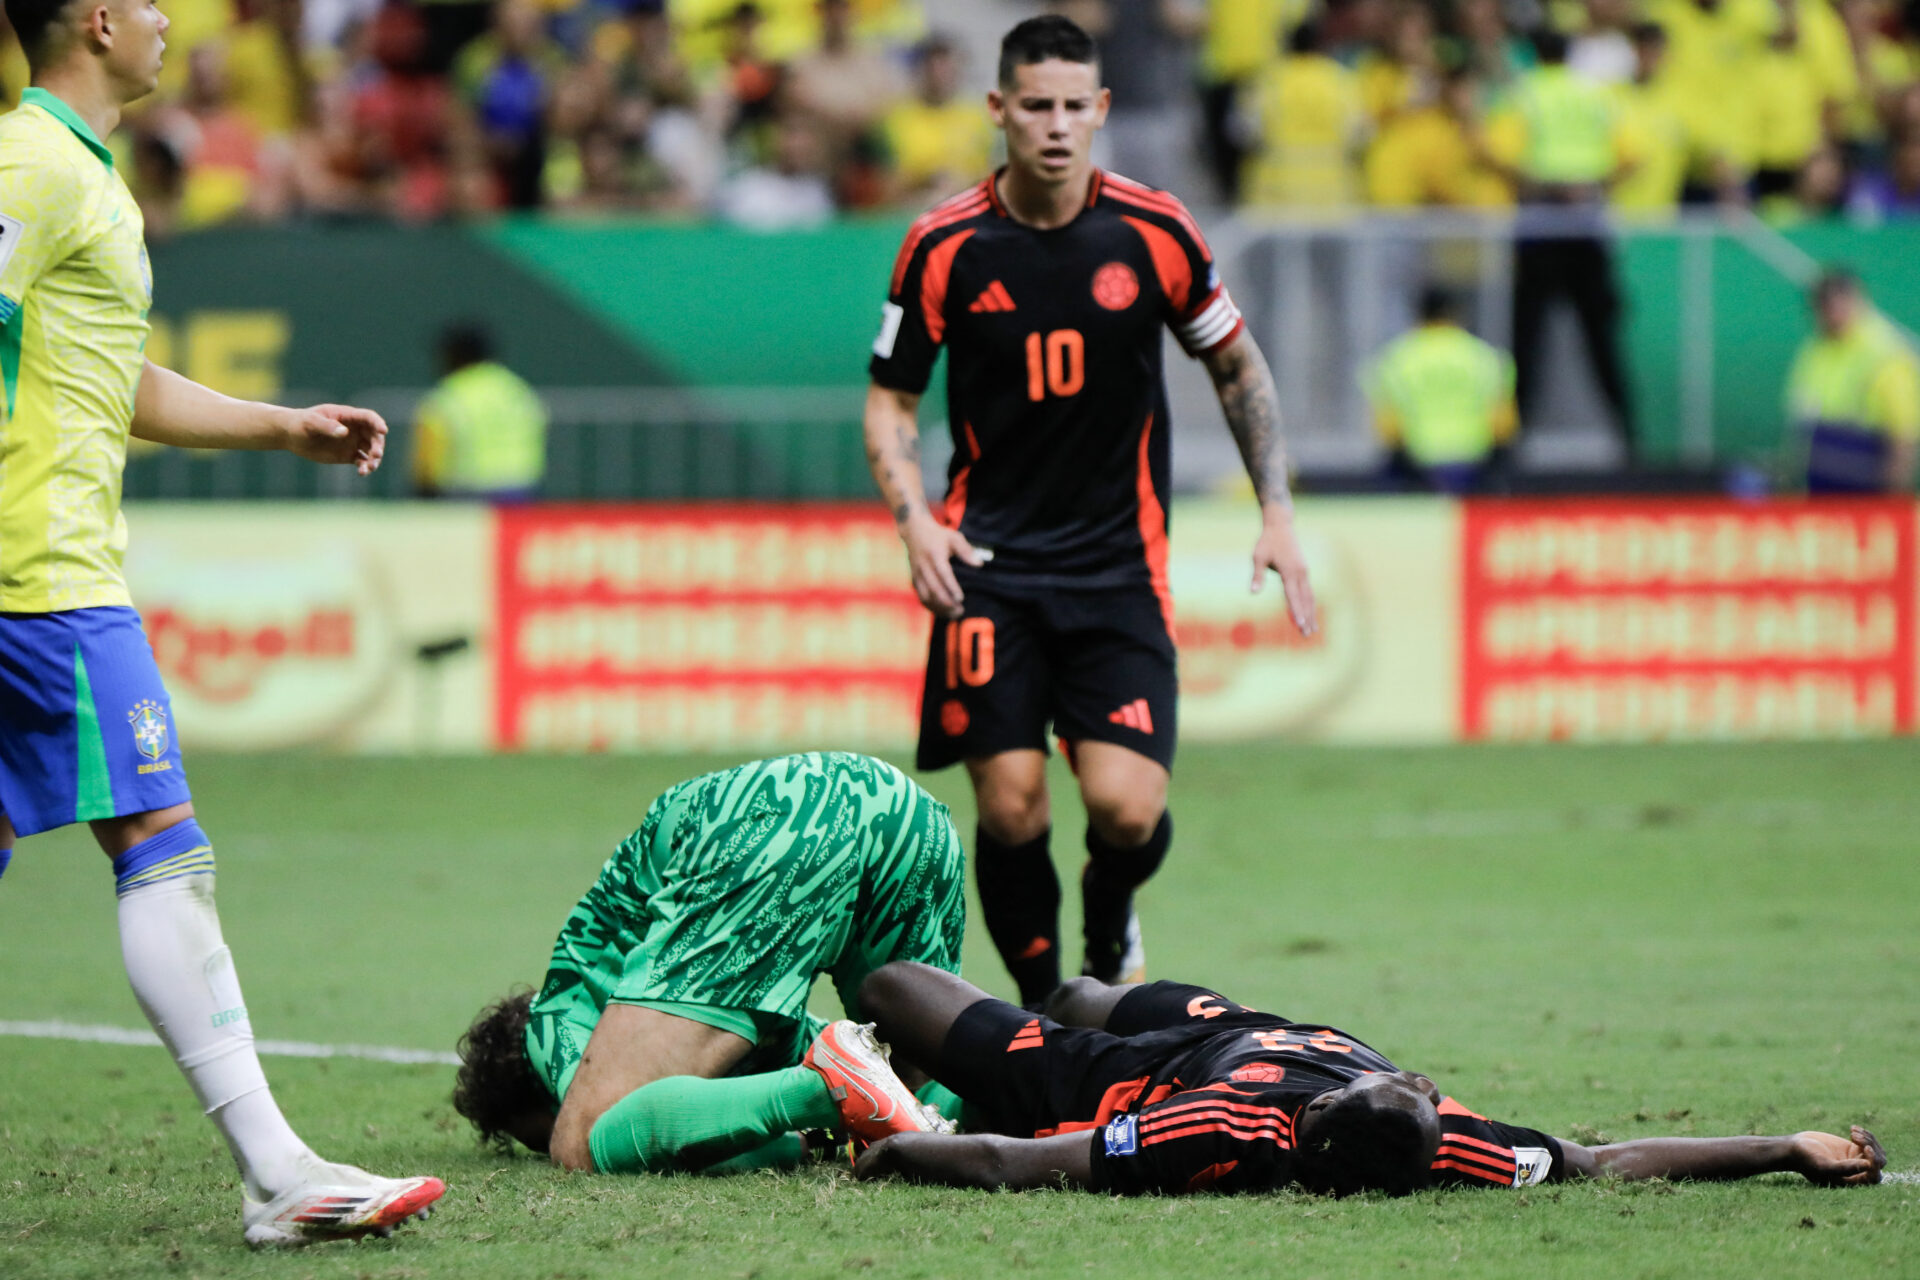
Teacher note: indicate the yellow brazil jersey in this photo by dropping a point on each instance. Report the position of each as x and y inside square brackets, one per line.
[1424, 157]
[927, 141]
[1311, 122]
[74, 291]
[1654, 140]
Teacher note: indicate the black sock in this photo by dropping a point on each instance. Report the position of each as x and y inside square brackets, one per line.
[1020, 900]
[1106, 893]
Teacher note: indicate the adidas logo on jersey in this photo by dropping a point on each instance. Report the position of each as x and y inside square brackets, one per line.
[1134, 715]
[993, 298]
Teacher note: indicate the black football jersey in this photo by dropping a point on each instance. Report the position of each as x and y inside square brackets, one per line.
[1219, 1114]
[1055, 391]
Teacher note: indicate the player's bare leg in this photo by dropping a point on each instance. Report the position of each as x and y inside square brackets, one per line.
[914, 1006]
[1128, 831]
[1086, 1002]
[1019, 890]
[182, 974]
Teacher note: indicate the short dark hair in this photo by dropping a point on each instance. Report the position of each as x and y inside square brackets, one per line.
[1305, 39]
[496, 1083]
[1550, 45]
[463, 344]
[1357, 1145]
[1438, 303]
[33, 22]
[1836, 279]
[1647, 33]
[1043, 39]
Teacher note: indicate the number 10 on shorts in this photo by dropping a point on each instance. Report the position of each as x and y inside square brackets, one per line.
[969, 652]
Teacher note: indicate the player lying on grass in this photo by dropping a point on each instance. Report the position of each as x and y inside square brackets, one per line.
[671, 1031]
[1170, 1088]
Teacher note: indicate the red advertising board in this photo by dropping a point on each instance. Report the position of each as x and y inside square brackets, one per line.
[1652, 619]
[689, 627]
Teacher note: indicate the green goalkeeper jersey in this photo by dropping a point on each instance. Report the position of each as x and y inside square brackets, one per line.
[739, 888]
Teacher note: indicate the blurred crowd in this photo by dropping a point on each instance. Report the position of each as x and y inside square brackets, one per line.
[774, 113]
[1798, 108]
[766, 112]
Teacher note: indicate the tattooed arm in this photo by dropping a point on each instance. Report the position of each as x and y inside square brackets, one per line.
[1252, 407]
[893, 455]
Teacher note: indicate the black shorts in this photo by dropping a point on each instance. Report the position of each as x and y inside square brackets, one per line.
[1030, 1077]
[1095, 663]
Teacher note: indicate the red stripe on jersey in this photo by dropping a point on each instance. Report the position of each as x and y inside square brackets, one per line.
[1478, 1157]
[933, 283]
[1169, 263]
[1275, 1123]
[1448, 1107]
[1210, 1175]
[1241, 1113]
[1153, 531]
[1195, 1102]
[955, 506]
[1505, 1153]
[1494, 1178]
[945, 214]
[1236, 1132]
[1123, 188]
[1118, 1098]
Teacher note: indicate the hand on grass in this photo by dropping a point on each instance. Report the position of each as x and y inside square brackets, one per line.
[1833, 1161]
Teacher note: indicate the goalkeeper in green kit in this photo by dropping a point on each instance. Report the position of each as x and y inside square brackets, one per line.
[672, 1031]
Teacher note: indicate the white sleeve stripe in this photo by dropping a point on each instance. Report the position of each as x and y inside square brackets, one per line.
[1215, 321]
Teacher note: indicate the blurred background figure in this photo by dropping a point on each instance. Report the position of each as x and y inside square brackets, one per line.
[505, 80]
[482, 431]
[1310, 125]
[1854, 395]
[1432, 156]
[842, 90]
[1558, 138]
[1654, 130]
[1240, 39]
[1442, 401]
[938, 140]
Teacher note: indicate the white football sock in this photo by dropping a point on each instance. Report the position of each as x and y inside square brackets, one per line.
[183, 976]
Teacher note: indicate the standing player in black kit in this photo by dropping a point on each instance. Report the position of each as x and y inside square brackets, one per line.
[1046, 566]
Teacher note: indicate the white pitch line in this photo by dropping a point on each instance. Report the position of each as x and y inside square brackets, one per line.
[94, 1033]
[1908, 1178]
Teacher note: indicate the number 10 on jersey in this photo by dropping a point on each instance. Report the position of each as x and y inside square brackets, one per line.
[1056, 363]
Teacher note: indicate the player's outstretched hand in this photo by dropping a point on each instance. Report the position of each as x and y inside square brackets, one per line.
[1279, 550]
[1833, 1161]
[931, 548]
[339, 433]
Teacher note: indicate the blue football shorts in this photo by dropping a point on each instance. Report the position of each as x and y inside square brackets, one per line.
[86, 727]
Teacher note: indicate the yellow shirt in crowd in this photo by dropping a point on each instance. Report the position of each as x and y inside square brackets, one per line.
[926, 141]
[75, 287]
[1654, 136]
[1311, 124]
[1424, 157]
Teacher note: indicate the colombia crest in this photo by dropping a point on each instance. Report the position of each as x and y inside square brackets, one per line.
[1115, 286]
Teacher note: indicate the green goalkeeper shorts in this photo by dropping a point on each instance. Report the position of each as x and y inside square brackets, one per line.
[740, 887]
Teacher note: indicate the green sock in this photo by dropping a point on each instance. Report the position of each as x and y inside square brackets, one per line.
[784, 1152]
[686, 1122]
[941, 1099]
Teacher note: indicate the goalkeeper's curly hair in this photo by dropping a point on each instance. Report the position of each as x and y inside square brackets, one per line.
[496, 1083]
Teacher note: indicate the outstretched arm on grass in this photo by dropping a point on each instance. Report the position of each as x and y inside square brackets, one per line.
[984, 1161]
[1823, 1158]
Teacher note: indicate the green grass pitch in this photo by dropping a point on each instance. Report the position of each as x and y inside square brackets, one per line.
[1688, 939]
